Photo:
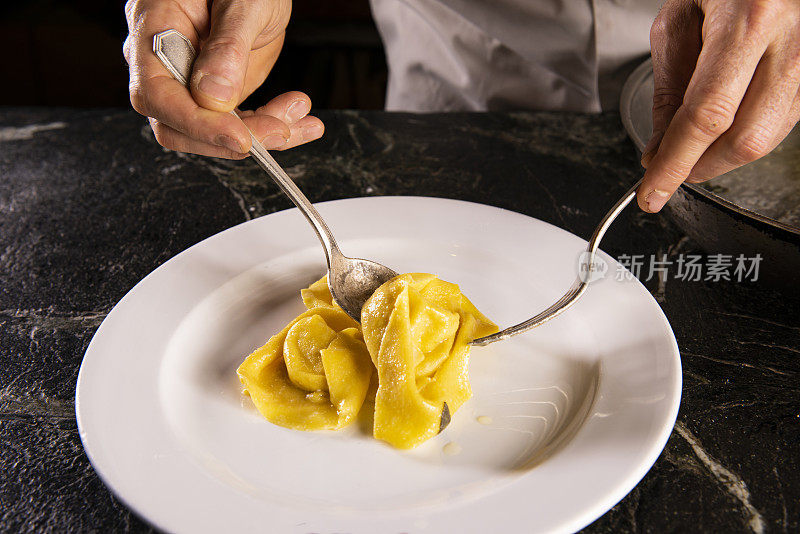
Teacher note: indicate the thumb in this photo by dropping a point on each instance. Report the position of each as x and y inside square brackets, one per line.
[675, 42]
[219, 71]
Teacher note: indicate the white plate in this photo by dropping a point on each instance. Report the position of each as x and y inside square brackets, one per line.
[580, 408]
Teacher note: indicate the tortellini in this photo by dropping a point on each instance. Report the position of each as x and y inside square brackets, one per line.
[312, 375]
[417, 329]
[413, 340]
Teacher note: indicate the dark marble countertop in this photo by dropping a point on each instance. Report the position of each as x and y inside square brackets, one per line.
[90, 204]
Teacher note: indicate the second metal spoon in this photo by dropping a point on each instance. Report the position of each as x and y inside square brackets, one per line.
[580, 285]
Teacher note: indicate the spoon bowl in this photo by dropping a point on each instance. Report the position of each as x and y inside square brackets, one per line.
[353, 280]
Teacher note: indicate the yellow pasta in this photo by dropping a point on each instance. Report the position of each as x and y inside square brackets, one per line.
[312, 375]
[417, 329]
[316, 373]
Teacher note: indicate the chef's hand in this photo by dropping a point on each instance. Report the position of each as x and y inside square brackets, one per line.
[727, 74]
[239, 41]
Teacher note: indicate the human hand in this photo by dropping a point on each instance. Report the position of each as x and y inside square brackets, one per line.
[726, 75]
[239, 42]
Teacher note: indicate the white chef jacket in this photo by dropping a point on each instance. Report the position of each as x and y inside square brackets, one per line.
[478, 55]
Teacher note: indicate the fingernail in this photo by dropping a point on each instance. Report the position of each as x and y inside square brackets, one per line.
[297, 111]
[274, 141]
[656, 199]
[229, 142]
[647, 157]
[312, 131]
[216, 87]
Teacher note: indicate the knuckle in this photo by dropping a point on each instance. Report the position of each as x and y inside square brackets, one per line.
[750, 145]
[791, 55]
[750, 23]
[278, 20]
[711, 116]
[163, 135]
[673, 176]
[666, 99]
[761, 14]
[674, 16]
[197, 127]
[146, 18]
[126, 49]
[131, 7]
[139, 99]
[660, 29]
[232, 46]
[757, 21]
[247, 6]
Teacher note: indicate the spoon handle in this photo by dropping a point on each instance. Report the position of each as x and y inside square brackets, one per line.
[177, 54]
[287, 185]
[580, 285]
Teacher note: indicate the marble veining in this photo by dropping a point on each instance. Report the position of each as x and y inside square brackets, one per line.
[732, 482]
[21, 133]
[90, 204]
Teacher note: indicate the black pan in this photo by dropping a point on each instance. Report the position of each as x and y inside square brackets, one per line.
[752, 210]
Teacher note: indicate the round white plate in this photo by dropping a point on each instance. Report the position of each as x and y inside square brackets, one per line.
[580, 408]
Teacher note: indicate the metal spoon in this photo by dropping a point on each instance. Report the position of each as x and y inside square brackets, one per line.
[351, 280]
[580, 285]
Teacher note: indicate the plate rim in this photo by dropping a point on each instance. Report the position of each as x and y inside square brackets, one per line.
[578, 521]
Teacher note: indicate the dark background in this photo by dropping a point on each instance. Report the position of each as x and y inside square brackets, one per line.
[69, 53]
